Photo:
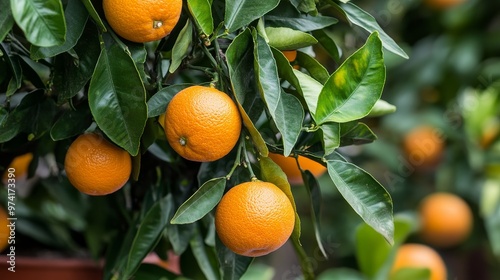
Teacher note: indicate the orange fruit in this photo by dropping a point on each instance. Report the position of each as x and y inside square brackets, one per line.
[4, 230]
[420, 256]
[442, 4]
[446, 219]
[254, 218]
[292, 171]
[202, 123]
[20, 164]
[423, 146]
[95, 166]
[142, 21]
[290, 55]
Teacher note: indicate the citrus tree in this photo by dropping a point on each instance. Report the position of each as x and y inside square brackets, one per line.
[92, 68]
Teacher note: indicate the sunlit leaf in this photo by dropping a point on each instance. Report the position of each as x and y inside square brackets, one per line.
[202, 14]
[284, 38]
[381, 108]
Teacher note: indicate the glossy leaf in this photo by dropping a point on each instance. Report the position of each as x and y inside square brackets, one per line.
[241, 13]
[201, 10]
[285, 109]
[158, 103]
[328, 44]
[239, 59]
[94, 14]
[179, 236]
[233, 266]
[284, 38]
[6, 19]
[310, 89]
[331, 137]
[203, 256]
[314, 67]
[366, 196]
[201, 202]
[314, 193]
[149, 232]
[117, 98]
[76, 17]
[356, 133]
[181, 47]
[42, 21]
[381, 108]
[271, 172]
[359, 17]
[298, 21]
[353, 89]
[71, 123]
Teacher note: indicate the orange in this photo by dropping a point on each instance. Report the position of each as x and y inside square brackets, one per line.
[442, 4]
[291, 169]
[202, 123]
[446, 219]
[290, 55]
[420, 256]
[423, 146]
[95, 166]
[20, 164]
[254, 218]
[142, 21]
[4, 230]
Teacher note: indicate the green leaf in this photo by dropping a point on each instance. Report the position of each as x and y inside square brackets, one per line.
[204, 257]
[490, 211]
[181, 47]
[71, 123]
[158, 103]
[328, 44]
[201, 202]
[314, 194]
[233, 266]
[306, 6]
[374, 255]
[240, 58]
[149, 232]
[353, 89]
[411, 273]
[154, 272]
[288, 16]
[355, 133]
[331, 137]
[17, 72]
[314, 67]
[179, 236]
[42, 21]
[241, 13]
[305, 262]
[284, 38]
[359, 17]
[94, 15]
[341, 273]
[6, 19]
[117, 98]
[271, 172]
[381, 108]
[201, 10]
[285, 109]
[366, 196]
[76, 17]
[310, 89]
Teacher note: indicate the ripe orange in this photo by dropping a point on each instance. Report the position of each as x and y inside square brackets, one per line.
[423, 146]
[95, 166]
[20, 164]
[442, 4]
[4, 230]
[290, 55]
[292, 171]
[142, 21]
[446, 219]
[420, 256]
[254, 218]
[202, 123]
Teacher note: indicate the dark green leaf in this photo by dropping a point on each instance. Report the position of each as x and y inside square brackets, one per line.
[284, 38]
[201, 202]
[204, 257]
[158, 103]
[153, 272]
[149, 232]
[16, 70]
[359, 17]
[241, 13]
[355, 133]
[331, 137]
[314, 67]
[71, 123]
[117, 98]
[365, 195]
[179, 236]
[353, 89]
[306, 6]
[285, 109]
[381, 108]
[41, 20]
[181, 46]
[314, 193]
[94, 15]
[328, 44]
[239, 59]
[76, 17]
[300, 22]
[6, 19]
[201, 10]
[233, 266]
[340, 273]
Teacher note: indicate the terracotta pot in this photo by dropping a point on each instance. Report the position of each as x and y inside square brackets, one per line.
[50, 268]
